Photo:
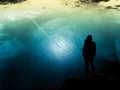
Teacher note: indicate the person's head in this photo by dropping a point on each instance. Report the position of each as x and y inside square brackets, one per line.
[89, 37]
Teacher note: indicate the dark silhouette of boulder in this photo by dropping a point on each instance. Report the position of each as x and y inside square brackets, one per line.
[97, 82]
[10, 1]
[100, 0]
[94, 0]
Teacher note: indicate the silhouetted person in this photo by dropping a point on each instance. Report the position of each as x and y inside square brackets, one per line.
[89, 51]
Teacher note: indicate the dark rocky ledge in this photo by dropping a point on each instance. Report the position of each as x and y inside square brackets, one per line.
[97, 82]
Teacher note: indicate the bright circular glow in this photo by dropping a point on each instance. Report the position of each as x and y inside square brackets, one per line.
[60, 47]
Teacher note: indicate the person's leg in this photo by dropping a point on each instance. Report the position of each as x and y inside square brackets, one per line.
[92, 67]
[86, 68]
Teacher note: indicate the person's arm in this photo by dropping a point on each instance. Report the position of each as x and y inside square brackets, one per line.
[94, 48]
[83, 49]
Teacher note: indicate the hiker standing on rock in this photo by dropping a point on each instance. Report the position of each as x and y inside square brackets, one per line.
[89, 51]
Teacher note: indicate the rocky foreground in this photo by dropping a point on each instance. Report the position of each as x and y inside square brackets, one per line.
[97, 82]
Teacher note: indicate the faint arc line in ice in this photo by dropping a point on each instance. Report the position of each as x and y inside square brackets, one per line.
[35, 23]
